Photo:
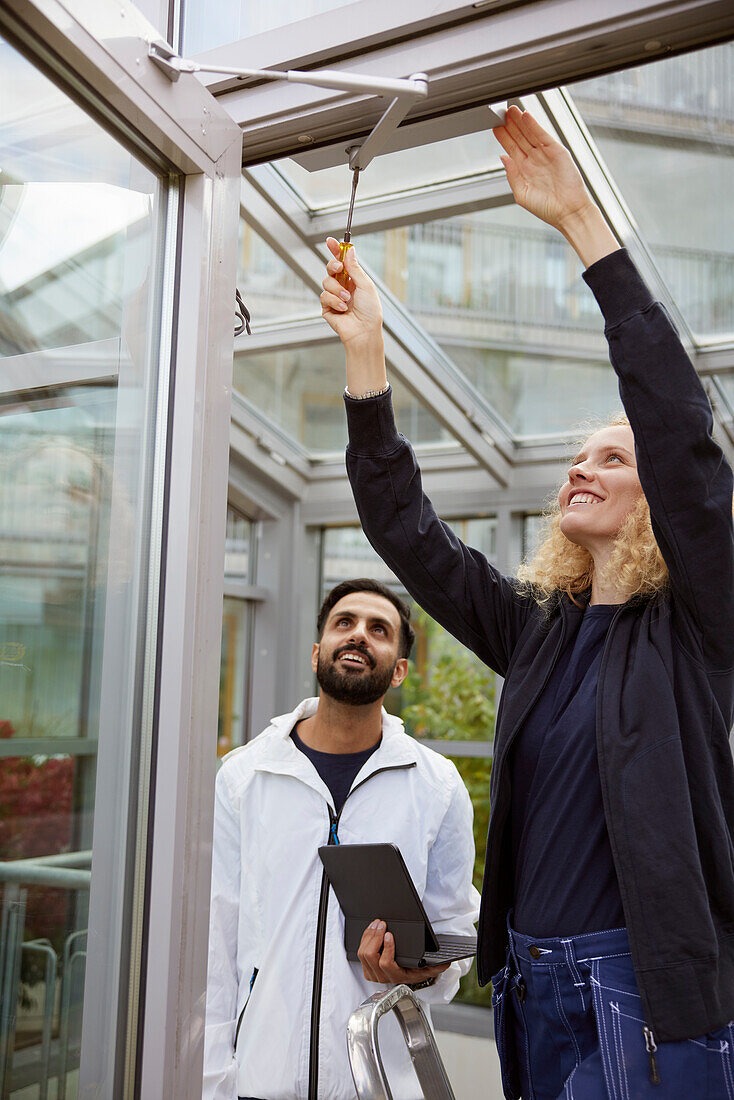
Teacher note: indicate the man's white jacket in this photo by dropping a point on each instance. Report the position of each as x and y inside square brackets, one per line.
[271, 918]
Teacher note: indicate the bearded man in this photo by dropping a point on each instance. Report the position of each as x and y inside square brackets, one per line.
[337, 769]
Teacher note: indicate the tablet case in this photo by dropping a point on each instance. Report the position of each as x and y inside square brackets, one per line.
[370, 882]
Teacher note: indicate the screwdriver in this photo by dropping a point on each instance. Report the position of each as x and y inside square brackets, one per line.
[342, 278]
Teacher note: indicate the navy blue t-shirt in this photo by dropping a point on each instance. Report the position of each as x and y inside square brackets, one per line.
[565, 881]
[337, 769]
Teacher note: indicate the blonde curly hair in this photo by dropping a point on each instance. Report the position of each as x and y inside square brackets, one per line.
[560, 566]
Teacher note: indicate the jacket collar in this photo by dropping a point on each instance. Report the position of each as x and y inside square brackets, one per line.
[278, 753]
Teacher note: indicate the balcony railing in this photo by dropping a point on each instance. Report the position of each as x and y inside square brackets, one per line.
[529, 279]
[520, 281]
[697, 85]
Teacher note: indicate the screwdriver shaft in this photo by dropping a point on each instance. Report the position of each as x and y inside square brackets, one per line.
[342, 278]
[355, 181]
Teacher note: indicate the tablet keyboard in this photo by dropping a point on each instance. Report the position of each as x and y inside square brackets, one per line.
[447, 952]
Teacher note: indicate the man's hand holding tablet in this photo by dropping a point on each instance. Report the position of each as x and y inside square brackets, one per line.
[377, 954]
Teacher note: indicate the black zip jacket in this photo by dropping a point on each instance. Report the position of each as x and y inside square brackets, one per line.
[665, 698]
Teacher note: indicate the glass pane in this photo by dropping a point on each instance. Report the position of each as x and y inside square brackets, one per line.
[499, 265]
[208, 25]
[232, 704]
[346, 554]
[504, 297]
[664, 131]
[726, 381]
[300, 389]
[537, 394]
[532, 526]
[270, 290]
[456, 158]
[78, 286]
[238, 555]
[449, 693]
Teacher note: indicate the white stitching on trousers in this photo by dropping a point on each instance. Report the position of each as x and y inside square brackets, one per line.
[619, 1046]
[726, 1068]
[613, 989]
[603, 1037]
[568, 1087]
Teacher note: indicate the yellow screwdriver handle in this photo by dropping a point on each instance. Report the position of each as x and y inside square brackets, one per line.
[342, 278]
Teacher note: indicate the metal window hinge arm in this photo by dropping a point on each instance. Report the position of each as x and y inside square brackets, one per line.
[403, 93]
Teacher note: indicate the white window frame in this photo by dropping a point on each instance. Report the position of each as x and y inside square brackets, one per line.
[142, 1032]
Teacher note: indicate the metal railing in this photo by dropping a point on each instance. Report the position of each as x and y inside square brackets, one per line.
[63, 979]
[368, 1071]
[698, 85]
[528, 277]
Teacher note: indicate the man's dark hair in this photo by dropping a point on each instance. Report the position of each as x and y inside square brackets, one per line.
[366, 584]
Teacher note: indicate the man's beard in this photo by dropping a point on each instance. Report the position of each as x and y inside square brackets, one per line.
[354, 689]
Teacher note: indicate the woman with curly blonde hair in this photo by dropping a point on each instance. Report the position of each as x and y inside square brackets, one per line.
[607, 921]
[559, 565]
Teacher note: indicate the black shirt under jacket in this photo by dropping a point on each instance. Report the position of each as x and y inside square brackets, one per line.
[665, 699]
[337, 769]
[565, 883]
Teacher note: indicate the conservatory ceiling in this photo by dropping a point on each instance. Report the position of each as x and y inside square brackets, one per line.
[495, 345]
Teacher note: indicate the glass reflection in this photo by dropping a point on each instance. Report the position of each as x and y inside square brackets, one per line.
[664, 131]
[271, 291]
[232, 696]
[301, 390]
[77, 247]
[536, 394]
[208, 25]
[506, 301]
[452, 159]
[239, 558]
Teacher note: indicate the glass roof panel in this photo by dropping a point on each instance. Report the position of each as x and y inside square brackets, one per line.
[537, 394]
[726, 386]
[666, 133]
[455, 158]
[269, 288]
[503, 295]
[300, 389]
[212, 23]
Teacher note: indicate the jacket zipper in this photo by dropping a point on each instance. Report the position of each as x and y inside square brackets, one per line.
[247, 1001]
[651, 1046]
[318, 973]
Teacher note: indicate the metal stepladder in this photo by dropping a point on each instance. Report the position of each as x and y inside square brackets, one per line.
[368, 1071]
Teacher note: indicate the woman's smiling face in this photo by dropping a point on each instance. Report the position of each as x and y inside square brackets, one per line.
[601, 490]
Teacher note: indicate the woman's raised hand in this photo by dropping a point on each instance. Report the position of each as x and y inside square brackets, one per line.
[541, 173]
[545, 181]
[354, 314]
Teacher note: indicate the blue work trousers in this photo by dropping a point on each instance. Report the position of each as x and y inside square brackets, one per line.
[569, 1026]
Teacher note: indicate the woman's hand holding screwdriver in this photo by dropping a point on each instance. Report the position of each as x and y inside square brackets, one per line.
[355, 315]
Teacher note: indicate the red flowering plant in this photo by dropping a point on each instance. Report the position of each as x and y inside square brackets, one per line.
[36, 800]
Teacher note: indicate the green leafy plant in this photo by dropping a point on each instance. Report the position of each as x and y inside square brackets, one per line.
[450, 695]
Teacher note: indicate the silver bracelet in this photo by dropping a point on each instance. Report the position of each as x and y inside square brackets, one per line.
[364, 396]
